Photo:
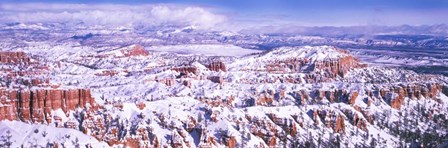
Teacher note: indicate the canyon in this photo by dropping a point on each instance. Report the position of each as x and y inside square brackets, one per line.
[289, 96]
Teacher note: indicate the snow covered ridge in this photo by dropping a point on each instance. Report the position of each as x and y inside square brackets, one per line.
[206, 50]
[312, 53]
[302, 96]
[28, 95]
[19, 134]
[325, 60]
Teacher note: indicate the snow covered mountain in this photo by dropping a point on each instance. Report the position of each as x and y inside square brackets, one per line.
[213, 95]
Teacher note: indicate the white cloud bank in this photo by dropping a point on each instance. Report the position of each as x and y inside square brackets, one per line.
[111, 15]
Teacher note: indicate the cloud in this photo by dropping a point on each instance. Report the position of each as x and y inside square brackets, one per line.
[112, 14]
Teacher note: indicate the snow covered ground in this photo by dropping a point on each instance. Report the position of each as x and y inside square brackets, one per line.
[204, 49]
[238, 105]
[21, 134]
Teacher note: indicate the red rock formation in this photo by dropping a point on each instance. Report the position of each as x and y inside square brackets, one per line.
[338, 67]
[332, 95]
[141, 105]
[353, 97]
[395, 100]
[33, 81]
[303, 96]
[107, 73]
[156, 142]
[166, 81]
[272, 142]
[361, 122]
[23, 105]
[217, 66]
[289, 127]
[434, 89]
[130, 142]
[265, 99]
[14, 58]
[186, 69]
[281, 94]
[137, 50]
[293, 130]
[428, 91]
[214, 116]
[34, 105]
[316, 117]
[8, 110]
[339, 126]
[231, 143]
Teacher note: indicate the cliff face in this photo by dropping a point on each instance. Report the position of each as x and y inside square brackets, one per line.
[318, 71]
[393, 94]
[14, 58]
[339, 66]
[19, 69]
[36, 105]
[329, 62]
[396, 94]
[136, 50]
[186, 69]
[339, 125]
[217, 66]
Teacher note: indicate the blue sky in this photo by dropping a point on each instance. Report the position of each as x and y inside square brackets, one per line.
[309, 12]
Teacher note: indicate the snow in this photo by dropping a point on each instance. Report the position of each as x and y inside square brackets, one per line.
[204, 49]
[178, 103]
[312, 53]
[28, 135]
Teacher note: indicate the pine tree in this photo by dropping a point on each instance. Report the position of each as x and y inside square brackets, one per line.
[310, 141]
[373, 142]
[200, 118]
[295, 141]
[76, 143]
[338, 141]
[8, 142]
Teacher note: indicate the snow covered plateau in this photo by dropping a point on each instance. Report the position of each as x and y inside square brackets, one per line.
[103, 87]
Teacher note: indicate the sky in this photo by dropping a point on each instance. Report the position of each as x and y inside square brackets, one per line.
[267, 12]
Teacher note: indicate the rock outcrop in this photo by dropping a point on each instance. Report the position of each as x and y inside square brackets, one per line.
[395, 95]
[36, 105]
[136, 50]
[339, 126]
[186, 69]
[353, 97]
[217, 66]
[107, 73]
[14, 58]
[216, 79]
[339, 66]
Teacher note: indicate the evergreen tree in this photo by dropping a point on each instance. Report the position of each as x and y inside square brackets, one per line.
[373, 142]
[295, 141]
[8, 142]
[76, 143]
